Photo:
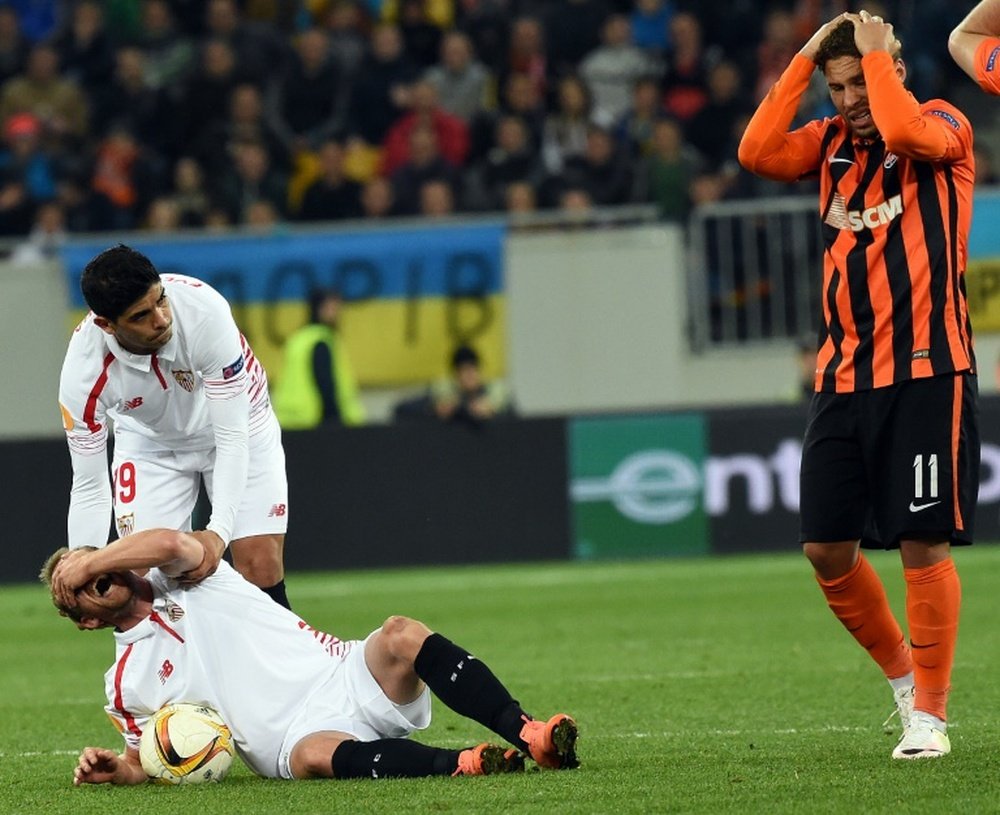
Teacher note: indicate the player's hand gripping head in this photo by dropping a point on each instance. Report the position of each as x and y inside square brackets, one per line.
[839, 56]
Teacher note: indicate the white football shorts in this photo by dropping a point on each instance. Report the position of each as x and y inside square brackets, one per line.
[159, 488]
[351, 701]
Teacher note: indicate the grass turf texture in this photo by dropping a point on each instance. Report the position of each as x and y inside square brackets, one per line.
[703, 686]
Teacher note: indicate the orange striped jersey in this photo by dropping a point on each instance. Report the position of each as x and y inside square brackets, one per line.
[895, 216]
[987, 64]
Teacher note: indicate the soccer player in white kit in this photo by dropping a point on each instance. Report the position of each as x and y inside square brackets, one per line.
[163, 359]
[300, 703]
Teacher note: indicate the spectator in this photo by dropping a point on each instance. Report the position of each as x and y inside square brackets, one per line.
[47, 236]
[169, 55]
[317, 385]
[611, 69]
[664, 177]
[14, 46]
[685, 82]
[564, 133]
[378, 199]
[451, 133]
[344, 27]
[127, 101]
[437, 199]
[381, 90]
[466, 398]
[307, 103]
[780, 43]
[251, 178]
[425, 163]
[650, 23]
[421, 37]
[86, 54]
[463, 84]
[603, 171]
[520, 198]
[520, 98]
[163, 215]
[122, 181]
[260, 52]
[572, 29]
[27, 174]
[204, 98]
[215, 146]
[635, 128]
[526, 53]
[189, 194]
[262, 216]
[332, 196]
[513, 159]
[710, 129]
[58, 103]
[486, 23]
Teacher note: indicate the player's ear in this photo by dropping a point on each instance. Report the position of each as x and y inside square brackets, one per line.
[901, 70]
[104, 324]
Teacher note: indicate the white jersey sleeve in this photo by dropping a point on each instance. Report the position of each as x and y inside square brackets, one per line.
[83, 404]
[217, 350]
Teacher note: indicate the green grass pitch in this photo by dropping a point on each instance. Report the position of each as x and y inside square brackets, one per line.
[700, 686]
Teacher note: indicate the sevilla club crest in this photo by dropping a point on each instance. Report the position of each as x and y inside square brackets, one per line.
[185, 379]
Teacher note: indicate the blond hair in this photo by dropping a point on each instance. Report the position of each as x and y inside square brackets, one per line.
[45, 576]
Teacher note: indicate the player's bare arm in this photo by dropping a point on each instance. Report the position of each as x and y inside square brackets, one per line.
[213, 547]
[982, 23]
[172, 551]
[98, 765]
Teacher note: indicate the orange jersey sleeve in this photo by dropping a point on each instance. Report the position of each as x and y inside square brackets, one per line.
[767, 148]
[987, 64]
[934, 131]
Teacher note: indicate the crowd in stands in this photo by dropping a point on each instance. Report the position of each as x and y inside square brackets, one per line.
[166, 114]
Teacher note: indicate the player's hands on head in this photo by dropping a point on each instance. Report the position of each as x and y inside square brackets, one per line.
[214, 547]
[811, 48]
[73, 571]
[872, 33]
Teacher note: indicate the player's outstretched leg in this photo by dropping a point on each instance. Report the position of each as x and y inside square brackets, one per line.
[470, 688]
[402, 758]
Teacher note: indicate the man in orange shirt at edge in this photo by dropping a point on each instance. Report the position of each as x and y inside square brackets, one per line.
[891, 451]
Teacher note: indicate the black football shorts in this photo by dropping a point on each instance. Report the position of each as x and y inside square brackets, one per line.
[891, 464]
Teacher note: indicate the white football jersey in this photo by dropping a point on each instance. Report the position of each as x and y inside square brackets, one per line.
[258, 675]
[159, 400]
[204, 391]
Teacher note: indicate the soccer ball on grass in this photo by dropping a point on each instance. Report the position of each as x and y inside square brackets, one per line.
[186, 744]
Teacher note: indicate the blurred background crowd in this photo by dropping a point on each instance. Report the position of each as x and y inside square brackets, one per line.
[167, 114]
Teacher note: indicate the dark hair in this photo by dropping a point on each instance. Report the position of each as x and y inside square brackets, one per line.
[464, 355]
[115, 279]
[840, 43]
[316, 299]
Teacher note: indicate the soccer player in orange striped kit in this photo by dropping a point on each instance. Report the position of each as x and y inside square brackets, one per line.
[891, 451]
[975, 45]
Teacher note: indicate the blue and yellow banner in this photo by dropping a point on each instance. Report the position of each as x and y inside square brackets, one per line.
[982, 277]
[411, 295]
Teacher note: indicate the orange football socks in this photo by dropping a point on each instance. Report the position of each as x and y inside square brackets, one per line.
[859, 601]
[933, 600]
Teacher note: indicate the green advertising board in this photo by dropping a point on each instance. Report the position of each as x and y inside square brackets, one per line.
[636, 486]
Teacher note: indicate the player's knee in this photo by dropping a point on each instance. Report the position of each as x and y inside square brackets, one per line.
[404, 636]
[312, 757]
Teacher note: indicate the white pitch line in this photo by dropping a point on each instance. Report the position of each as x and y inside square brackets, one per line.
[37, 753]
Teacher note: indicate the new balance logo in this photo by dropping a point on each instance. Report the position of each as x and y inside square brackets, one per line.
[921, 507]
[277, 511]
[166, 669]
[132, 403]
